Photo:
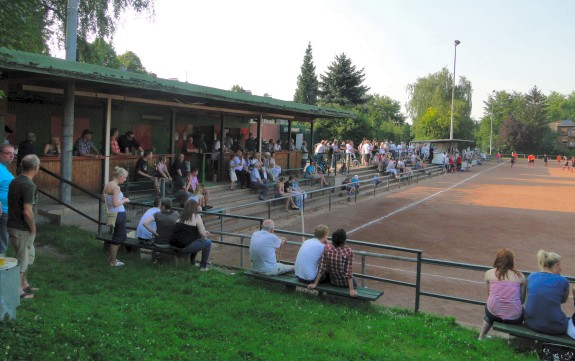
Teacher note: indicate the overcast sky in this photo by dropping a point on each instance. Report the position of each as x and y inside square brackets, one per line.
[259, 45]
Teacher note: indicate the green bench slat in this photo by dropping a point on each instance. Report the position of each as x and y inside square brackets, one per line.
[363, 293]
[522, 331]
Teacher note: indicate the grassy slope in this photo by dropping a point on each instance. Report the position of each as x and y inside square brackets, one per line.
[88, 311]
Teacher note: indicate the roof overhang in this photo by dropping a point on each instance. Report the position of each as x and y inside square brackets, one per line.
[43, 73]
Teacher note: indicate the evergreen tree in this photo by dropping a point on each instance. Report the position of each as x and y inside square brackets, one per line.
[342, 83]
[307, 91]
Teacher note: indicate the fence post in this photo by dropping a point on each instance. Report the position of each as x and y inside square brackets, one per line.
[418, 282]
[242, 252]
[269, 209]
[329, 200]
[362, 270]
[163, 187]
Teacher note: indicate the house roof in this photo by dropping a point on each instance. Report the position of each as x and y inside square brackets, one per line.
[148, 86]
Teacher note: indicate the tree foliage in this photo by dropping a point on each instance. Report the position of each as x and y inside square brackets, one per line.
[429, 106]
[513, 136]
[307, 91]
[98, 52]
[238, 89]
[40, 20]
[342, 83]
[132, 62]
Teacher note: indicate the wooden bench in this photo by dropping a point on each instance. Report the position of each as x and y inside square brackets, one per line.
[524, 332]
[290, 281]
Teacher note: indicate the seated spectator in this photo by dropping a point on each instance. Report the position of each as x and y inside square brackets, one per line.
[280, 192]
[240, 167]
[127, 143]
[272, 168]
[257, 182]
[165, 221]
[376, 181]
[84, 146]
[278, 146]
[178, 166]
[53, 149]
[145, 236]
[309, 254]
[292, 187]
[346, 184]
[190, 235]
[263, 246]
[198, 189]
[114, 146]
[141, 170]
[336, 264]
[546, 291]
[505, 292]
[181, 188]
[310, 172]
[161, 172]
[391, 169]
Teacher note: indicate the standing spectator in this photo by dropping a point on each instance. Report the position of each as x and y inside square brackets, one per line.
[278, 146]
[84, 146]
[498, 157]
[251, 144]
[545, 159]
[505, 292]
[24, 148]
[53, 149]
[127, 142]
[271, 146]
[307, 260]
[263, 247]
[190, 235]
[304, 154]
[141, 170]
[114, 146]
[6, 157]
[216, 148]
[546, 291]
[115, 201]
[228, 143]
[201, 145]
[189, 146]
[22, 202]
[336, 264]
[240, 167]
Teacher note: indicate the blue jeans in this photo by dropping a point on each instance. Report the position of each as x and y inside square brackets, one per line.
[193, 248]
[4, 233]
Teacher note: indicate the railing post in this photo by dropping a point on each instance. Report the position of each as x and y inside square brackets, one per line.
[242, 252]
[269, 209]
[388, 183]
[329, 200]
[363, 270]
[163, 187]
[418, 282]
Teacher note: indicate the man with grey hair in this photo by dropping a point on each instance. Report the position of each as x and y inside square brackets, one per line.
[263, 247]
[6, 157]
[22, 202]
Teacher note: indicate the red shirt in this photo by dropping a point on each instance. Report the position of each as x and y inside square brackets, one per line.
[338, 262]
[115, 148]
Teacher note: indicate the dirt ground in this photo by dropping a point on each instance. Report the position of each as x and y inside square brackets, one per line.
[463, 217]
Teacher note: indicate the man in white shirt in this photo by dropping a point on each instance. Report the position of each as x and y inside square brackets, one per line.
[320, 148]
[263, 247]
[256, 181]
[307, 260]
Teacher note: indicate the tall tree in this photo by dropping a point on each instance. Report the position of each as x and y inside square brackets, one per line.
[429, 105]
[342, 83]
[98, 52]
[307, 91]
[132, 62]
[42, 20]
[513, 136]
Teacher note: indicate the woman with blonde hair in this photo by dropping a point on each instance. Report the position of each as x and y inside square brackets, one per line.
[53, 149]
[546, 291]
[115, 200]
[505, 288]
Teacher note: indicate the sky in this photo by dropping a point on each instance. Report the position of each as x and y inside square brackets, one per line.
[505, 45]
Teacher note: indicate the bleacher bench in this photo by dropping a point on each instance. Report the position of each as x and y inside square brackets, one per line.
[289, 280]
[134, 242]
[524, 332]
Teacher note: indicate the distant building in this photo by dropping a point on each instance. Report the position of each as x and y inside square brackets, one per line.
[565, 131]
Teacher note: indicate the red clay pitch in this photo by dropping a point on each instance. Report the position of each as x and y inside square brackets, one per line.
[462, 217]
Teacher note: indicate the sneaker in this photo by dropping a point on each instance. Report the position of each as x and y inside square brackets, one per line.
[261, 198]
[118, 263]
[203, 269]
[296, 208]
[287, 210]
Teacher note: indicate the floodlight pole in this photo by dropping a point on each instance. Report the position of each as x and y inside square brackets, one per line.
[457, 42]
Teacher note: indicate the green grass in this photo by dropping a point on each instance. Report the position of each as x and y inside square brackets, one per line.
[86, 310]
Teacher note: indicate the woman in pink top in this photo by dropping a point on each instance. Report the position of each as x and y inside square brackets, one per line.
[505, 290]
